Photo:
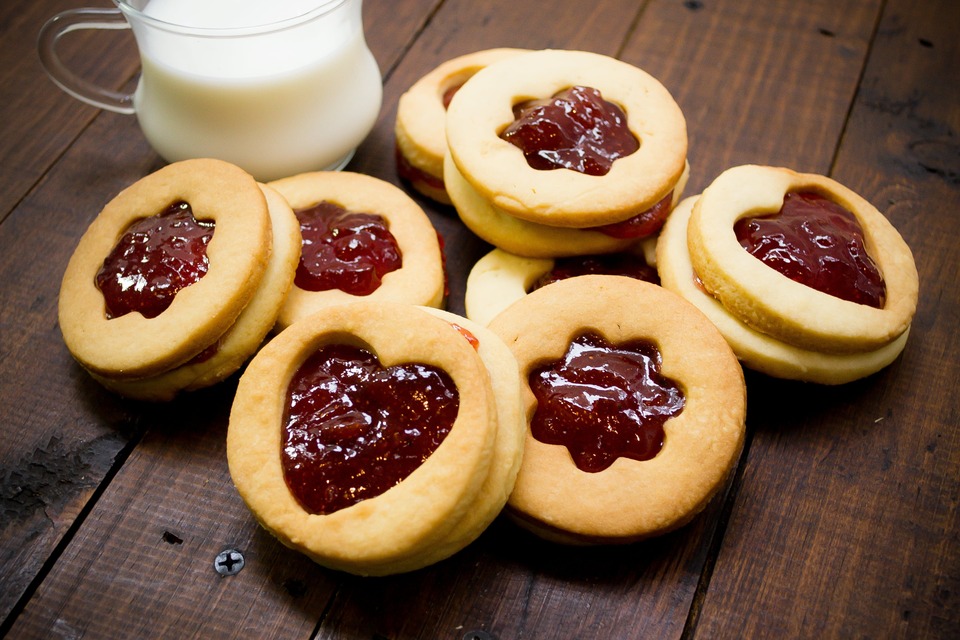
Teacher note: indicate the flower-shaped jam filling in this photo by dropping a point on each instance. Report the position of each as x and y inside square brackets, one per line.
[575, 129]
[613, 264]
[818, 243]
[344, 250]
[156, 257]
[604, 401]
[354, 429]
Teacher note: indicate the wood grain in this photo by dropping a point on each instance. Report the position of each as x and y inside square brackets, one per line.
[846, 523]
[841, 520]
[38, 120]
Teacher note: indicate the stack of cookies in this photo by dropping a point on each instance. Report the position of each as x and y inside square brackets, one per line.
[179, 279]
[378, 437]
[805, 278]
[602, 154]
[378, 434]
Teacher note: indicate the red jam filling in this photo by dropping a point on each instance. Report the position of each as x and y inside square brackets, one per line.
[414, 175]
[449, 92]
[575, 129]
[466, 333]
[614, 264]
[818, 243]
[354, 429]
[343, 250]
[156, 257]
[604, 402]
[411, 173]
[641, 225]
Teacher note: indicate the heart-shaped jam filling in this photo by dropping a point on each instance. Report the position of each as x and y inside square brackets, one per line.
[613, 264]
[604, 401]
[156, 257]
[575, 129]
[353, 429]
[344, 250]
[818, 243]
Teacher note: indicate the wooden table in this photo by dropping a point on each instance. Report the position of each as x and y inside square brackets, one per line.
[841, 520]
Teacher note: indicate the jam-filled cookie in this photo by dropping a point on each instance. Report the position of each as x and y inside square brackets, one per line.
[246, 334]
[755, 349]
[363, 239]
[570, 140]
[421, 112]
[635, 405]
[372, 436]
[164, 271]
[499, 279]
[803, 259]
[533, 240]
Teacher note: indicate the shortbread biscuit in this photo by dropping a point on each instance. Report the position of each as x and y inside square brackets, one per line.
[770, 302]
[419, 281]
[435, 510]
[630, 499]
[421, 113]
[499, 279]
[524, 238]
[253, 324]
[483, 108]
[132, 346]
[756, 350]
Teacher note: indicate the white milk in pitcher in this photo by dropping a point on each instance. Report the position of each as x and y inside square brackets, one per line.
[275, 101]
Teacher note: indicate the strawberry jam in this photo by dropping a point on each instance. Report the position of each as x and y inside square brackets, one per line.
[343, 250]
[575, 129]
[614, 264]
[156, 257]
[604, 402]
[642, 225]
[354, 429]
[414, 175]
[448, 94]
[818, 243]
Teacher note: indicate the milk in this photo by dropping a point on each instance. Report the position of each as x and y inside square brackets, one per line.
[274, 101]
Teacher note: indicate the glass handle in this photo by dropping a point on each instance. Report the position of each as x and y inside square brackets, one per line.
[73, 20]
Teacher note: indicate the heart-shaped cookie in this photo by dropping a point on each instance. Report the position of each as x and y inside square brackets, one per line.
[385, 355]
[354, 428]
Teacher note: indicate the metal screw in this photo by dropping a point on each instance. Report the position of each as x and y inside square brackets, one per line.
[229, 562]
[478, 635]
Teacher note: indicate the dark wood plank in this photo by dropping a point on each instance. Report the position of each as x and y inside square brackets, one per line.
[846, 523]
[158, 530]
[63, 435]
[758, 83]
[39, 120]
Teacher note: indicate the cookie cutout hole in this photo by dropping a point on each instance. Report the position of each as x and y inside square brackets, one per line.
[344, 250]
[603, 401]
[816, 242]
[574, 129]
[353, 429]
[155, 258]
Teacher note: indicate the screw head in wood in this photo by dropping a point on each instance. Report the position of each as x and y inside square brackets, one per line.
[229, 562]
